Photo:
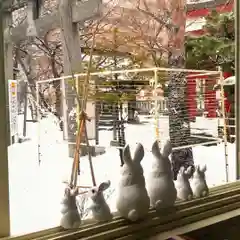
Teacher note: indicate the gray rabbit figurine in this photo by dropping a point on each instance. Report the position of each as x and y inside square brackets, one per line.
[161, 188]
[199, 184]
[99, 207]
[132, 202]
[184, 190]
[70, 218]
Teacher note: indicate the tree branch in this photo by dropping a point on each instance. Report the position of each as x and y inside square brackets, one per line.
[163, 22]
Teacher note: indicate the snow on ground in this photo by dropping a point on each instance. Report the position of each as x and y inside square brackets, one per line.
[36, 191]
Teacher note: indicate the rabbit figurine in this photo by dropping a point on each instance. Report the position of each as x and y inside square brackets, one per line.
[199, 184]
[184, 190]
[161, 188]
[70, 218]
[99, 207]
[132, 201]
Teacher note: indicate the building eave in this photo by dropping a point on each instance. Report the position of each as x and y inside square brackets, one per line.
[204, 8]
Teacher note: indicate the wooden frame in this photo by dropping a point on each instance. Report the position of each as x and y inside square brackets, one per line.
[237, 91]
[227, 195]
[222, 204]
[4, 137]
[197, 225]
[192, 73]
[221, 200]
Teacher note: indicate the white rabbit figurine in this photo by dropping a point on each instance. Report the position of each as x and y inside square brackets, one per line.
[184, 190]
[199, 184]
[99, 207]
[161, 188]
[70, 218]
[132, 202]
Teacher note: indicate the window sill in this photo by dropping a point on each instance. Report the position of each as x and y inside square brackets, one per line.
[222, 203]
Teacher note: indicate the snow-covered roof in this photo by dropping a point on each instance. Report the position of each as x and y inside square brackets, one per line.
[194, 24]
[197, 1]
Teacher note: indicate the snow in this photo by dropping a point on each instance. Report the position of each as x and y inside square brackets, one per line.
[36, 191]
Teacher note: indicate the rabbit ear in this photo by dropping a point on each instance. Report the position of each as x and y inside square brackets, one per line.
[127, 155]
[188, 171]
[67, 191]
[167, 149]
[197, 168]
[103, 186]
[181, 170]
[155, 150]
[139, 153]
[203, 168]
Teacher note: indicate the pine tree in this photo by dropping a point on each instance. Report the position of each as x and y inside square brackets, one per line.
[216, 47]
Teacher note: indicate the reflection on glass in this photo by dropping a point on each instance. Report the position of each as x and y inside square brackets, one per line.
[192, 108]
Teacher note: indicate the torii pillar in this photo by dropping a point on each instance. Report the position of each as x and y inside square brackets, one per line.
[72, 58]
[69, 15]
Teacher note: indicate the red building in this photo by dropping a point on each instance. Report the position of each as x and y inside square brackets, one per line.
[197, 11]
[200, 9]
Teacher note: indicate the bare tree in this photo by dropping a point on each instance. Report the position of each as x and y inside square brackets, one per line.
[154, 32]
[46, 59]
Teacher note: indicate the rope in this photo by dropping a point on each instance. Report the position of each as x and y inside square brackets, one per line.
[82, 126]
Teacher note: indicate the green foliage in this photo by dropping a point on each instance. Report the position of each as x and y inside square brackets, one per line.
[216, 47]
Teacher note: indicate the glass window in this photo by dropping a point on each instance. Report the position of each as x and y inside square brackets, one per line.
[185, 138]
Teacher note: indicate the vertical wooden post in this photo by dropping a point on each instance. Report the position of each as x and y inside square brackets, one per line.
[78, 88]
[237, 90]
[97, 122]
[224, 124]
[4, 182]
[114, 104]
[156, 106]
[64, 108]
[25, 109]
[8, 62]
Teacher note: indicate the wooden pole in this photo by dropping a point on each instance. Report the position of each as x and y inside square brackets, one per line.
[114, 105]
[4, 181]
[139, 70]
[8, 61]
[156, 114]
[25, 109]
[78, 92]
[224, 126]
[237, 91]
